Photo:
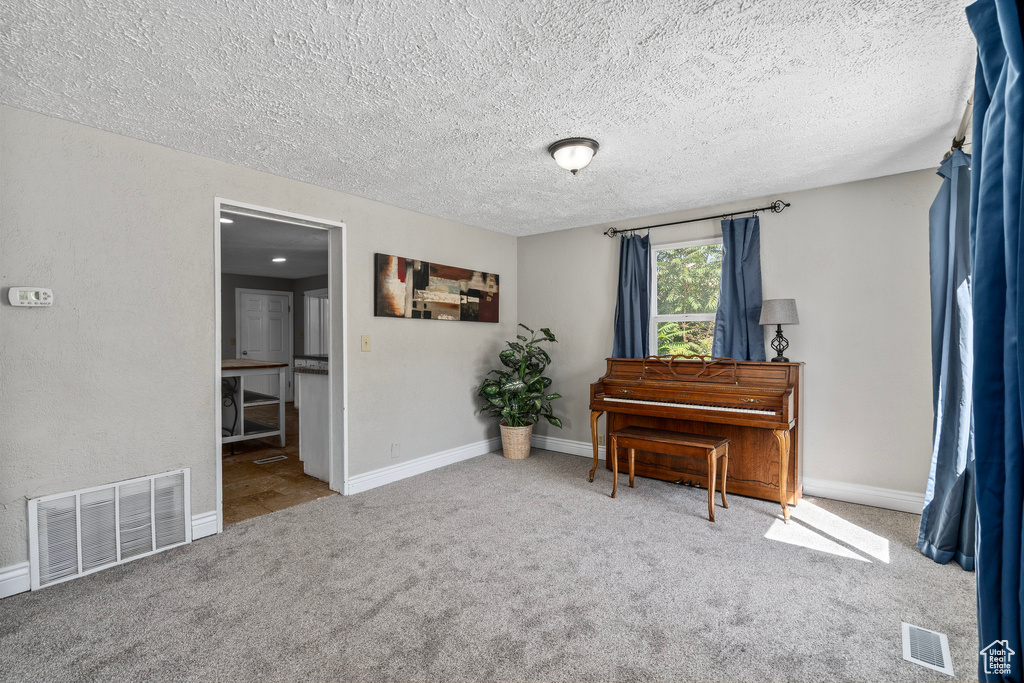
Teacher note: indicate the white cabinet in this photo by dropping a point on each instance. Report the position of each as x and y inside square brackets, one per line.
[314, 424]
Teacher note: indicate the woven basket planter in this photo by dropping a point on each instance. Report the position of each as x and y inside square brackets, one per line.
[515, 441]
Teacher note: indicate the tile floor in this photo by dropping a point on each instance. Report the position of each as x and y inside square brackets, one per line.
[251, 490]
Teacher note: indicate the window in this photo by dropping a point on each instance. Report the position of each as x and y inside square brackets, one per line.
[686, 277]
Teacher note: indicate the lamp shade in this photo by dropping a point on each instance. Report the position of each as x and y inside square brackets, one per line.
[572, 154]
[779, 312]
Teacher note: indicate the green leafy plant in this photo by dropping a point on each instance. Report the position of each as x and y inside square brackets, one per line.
[517, 395]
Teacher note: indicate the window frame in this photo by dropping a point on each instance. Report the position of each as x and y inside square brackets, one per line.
[652, 332]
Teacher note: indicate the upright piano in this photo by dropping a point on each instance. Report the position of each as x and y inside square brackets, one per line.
[755, 405]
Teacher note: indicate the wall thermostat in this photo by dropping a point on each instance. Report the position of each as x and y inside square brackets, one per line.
[30, 296]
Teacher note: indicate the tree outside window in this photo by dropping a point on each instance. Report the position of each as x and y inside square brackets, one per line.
[686, 282]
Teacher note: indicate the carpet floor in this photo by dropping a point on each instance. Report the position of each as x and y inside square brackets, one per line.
[502, 570]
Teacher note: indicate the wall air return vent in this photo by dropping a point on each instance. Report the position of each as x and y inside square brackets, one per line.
[79, 532]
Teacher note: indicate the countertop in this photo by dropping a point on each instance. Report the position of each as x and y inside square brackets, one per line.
[309, 371]
[247, 364]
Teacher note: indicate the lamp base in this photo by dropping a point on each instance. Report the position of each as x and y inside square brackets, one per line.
[779, 345]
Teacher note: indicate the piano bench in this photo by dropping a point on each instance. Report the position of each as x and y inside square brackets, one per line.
[677, 444]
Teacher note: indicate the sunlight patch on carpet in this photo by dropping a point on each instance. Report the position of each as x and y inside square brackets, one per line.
[797, 534]
[845, 532]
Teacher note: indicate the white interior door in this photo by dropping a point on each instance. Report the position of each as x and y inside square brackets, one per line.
[265, 333]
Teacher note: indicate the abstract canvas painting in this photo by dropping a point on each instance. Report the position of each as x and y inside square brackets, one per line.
[407, 288]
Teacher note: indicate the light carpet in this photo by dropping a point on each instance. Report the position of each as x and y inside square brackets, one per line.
[502, 570]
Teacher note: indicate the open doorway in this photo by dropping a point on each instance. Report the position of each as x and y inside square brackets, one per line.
[274, 301]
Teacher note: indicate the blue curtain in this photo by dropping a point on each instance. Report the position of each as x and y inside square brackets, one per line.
[633, 306]
[997, 261]
[950, 514]
[737, 334]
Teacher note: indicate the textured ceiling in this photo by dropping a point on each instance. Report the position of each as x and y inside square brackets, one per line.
[447, 106]
[248, 244]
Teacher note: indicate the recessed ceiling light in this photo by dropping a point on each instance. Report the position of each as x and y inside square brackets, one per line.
[279, 259]
[226, 220]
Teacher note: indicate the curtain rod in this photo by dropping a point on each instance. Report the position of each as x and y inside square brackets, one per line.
[961, 132]
[778, 206]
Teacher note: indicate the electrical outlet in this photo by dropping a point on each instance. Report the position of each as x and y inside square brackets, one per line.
[364, 343]
[396, 451]
[600, 439]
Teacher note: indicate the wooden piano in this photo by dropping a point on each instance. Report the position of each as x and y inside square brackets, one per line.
[756, 405]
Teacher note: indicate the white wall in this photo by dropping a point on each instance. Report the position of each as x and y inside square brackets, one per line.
[117, 379]
[855, 258]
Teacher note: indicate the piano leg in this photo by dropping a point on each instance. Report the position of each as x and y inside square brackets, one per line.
[782, 436]
[712, 467]
[613, 453]
[594, 415]
[632, 465]
[725, 474]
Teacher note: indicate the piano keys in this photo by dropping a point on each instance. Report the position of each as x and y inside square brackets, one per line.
[756, 405]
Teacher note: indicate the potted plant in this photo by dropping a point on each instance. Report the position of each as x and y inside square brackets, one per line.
[517, 393]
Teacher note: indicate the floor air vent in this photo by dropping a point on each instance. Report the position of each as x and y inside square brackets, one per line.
[927, 648]
[273, 458]
[79, 532]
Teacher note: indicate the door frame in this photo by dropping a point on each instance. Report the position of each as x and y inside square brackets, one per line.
[337, 379]
[291, 326]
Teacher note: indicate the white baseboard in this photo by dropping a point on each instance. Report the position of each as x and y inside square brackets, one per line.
[554, 443]
[890, 499]
[875, 496]
[393, 473]
[204, 524]
[15, 579]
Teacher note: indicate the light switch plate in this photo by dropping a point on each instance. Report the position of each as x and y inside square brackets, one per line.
[364, 343]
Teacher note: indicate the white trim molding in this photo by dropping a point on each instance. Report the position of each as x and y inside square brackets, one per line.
[338, 287]
[15, 579]
[554, 443]
[862, 494]
[393, 473]
[204, 524]
[890, 499]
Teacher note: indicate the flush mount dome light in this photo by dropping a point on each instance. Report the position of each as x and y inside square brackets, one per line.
[572, 154]
[279, 259]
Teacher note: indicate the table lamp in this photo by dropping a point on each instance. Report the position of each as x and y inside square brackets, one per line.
[779, 312]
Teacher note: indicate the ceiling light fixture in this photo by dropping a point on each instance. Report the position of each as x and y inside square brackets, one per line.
[572, 154]
[279, 259]
[226, 220]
